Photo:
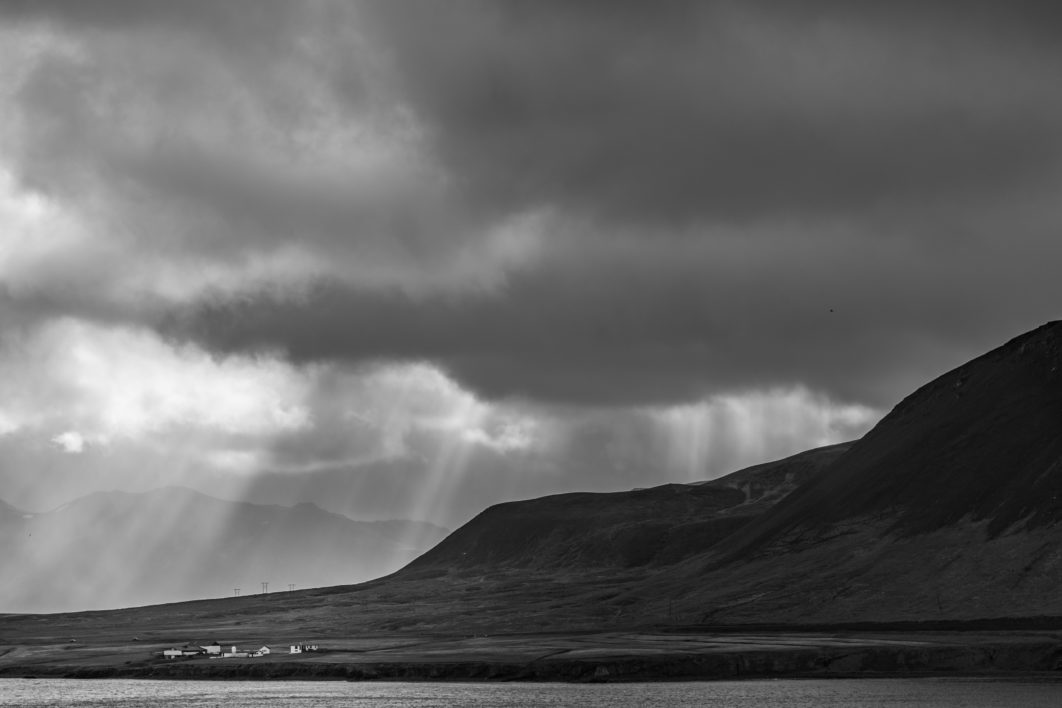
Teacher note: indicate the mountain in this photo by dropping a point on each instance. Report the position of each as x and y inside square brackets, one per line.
[112, 549]
[982, 442]
[947, 511]
[949, 507]
[644, 527]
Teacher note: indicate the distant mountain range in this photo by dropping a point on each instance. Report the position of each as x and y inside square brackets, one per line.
[115, 549]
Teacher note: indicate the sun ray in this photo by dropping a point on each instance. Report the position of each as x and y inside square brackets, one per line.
[724, 433]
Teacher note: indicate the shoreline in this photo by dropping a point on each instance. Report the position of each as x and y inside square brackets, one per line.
[1008, 657]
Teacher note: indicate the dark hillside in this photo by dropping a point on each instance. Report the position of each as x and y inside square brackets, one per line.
[768, 483]
[656, 526]
[981, 442]
[947, 512]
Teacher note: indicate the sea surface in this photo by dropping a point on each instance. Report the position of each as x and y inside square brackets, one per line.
[855, 693]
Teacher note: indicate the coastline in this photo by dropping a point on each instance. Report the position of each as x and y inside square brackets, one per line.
[604, 658]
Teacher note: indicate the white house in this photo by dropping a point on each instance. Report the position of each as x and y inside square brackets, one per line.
[261, 652]
[300, 648]
[214, 648]
[172, 653]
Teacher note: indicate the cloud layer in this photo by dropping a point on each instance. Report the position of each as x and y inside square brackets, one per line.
[479, 234]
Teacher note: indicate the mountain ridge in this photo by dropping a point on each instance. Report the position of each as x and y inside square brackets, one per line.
[641, 527]
[863, 557]
[948, 509]
[937, 456]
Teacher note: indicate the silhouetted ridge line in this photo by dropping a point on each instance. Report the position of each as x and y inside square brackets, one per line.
[982, 442]
[658, 526]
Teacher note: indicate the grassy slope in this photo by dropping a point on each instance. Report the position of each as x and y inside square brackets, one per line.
[948, 508]
[644, 528]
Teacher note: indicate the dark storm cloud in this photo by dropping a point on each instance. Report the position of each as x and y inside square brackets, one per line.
[612, 327]
[852, 196]
[840, 179]
[665, 114]
[138, 145]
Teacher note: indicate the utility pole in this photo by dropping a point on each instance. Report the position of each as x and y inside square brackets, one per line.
[235, 592]
[291, 586]
[265, 587]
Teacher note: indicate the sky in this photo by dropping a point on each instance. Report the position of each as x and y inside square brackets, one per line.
[410, 259]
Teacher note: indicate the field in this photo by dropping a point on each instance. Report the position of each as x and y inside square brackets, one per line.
[127, 643]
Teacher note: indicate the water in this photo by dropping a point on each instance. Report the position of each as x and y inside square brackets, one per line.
[861, 693]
